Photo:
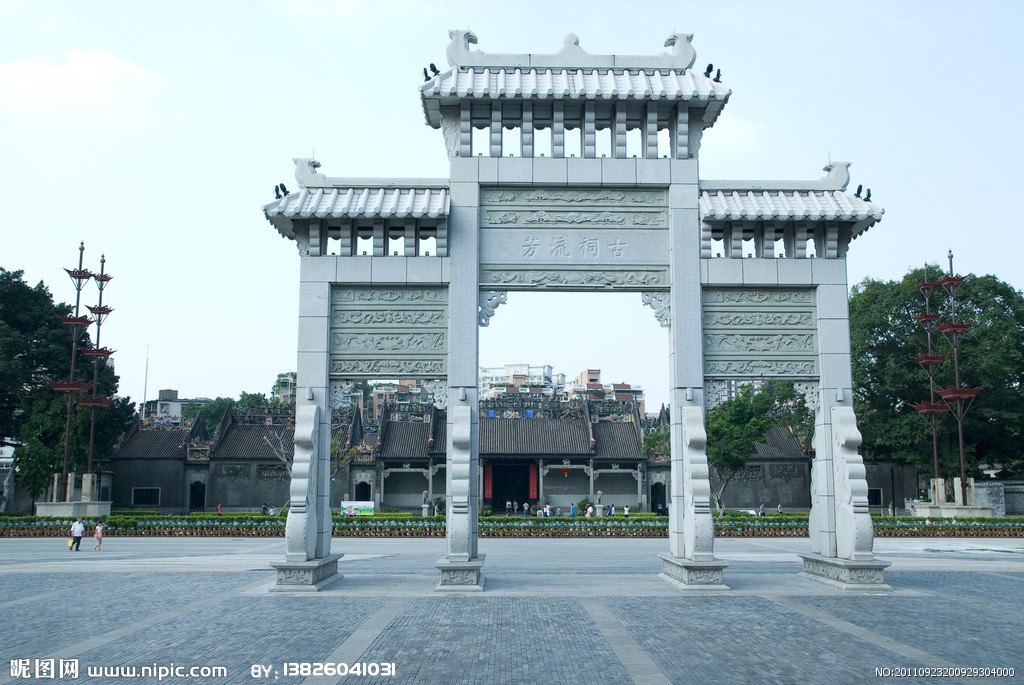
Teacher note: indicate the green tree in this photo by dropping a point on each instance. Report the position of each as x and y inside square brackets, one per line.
[734, 429]
[656, 443]
[252, 400]
[210, 413]
[885, 335]
[35, 346]
[791, 411]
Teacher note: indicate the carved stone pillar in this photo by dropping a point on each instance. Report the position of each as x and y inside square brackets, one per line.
[691, 531]
[306, 566]
[839, 525]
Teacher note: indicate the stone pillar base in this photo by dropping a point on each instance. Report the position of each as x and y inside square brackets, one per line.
[73, 509]
[685, 574]
[856, 576]
[306, 576]
[88, 486]
[460, 576]
[947, 511]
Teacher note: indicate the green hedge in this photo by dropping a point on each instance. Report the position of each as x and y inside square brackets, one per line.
[407, 525]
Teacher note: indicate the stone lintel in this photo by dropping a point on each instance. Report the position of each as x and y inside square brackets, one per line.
[686, 574]
[460, 576]
[306, 576]
[855, 576]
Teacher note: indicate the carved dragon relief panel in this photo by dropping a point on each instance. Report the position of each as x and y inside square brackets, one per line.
[753, 333]
[389, 331]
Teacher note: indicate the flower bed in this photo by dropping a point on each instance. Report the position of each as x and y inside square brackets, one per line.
[391, 526]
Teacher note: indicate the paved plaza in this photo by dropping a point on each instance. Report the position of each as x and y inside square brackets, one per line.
[553, 611]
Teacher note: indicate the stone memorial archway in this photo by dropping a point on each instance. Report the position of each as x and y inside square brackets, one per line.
[726, 265]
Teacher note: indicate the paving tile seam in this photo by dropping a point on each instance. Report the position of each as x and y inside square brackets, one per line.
[68, 590]
[972, 601]
[79, 648]
[352, 648]
[902, 649]
[637, 662]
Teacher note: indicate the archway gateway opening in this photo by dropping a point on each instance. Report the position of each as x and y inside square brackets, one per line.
[705, 255]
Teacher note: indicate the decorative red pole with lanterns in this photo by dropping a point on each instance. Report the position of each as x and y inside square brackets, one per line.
[958, 397]
[99, 356]
[70, 386]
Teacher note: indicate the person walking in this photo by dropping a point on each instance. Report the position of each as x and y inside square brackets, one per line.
[760, 511]
[780, 508]
[77, 531]
[98, 536]
[625, 510]
[508, 507]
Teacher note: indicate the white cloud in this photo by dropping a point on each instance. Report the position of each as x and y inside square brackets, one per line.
[91, 83]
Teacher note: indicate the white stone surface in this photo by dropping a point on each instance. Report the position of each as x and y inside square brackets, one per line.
[314, 298]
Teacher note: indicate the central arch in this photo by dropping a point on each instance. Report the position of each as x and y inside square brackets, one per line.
[725, 265]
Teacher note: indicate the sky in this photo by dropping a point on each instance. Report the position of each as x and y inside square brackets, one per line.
[155, 132]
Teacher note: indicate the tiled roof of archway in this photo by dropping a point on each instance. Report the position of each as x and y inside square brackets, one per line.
[786, 205]
[569, 84]
[579, 84]
[362, 203]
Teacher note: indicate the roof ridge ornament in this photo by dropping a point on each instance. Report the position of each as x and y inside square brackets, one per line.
[571, 56]
[307, 176]
[837, 178]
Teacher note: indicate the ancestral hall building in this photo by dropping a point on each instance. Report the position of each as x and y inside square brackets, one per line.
[531, 450]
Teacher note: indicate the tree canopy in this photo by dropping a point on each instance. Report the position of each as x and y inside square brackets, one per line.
[734, 429]
[35, 346]
[210, 413]
[885, 335]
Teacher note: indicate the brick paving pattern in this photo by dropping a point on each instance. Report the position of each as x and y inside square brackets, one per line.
[552, 611]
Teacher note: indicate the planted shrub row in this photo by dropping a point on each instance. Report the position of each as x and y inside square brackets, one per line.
[406, 525]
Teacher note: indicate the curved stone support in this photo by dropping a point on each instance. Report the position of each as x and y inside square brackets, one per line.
[460, 567]
[490, 300]
[698, 535]
[302, 523]
[659, 302]
[854, 533]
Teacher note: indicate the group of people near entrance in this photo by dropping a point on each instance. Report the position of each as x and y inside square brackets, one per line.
[78, 532]
[512, 507]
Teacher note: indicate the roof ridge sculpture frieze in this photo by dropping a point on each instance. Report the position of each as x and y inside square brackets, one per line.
[571, 56]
